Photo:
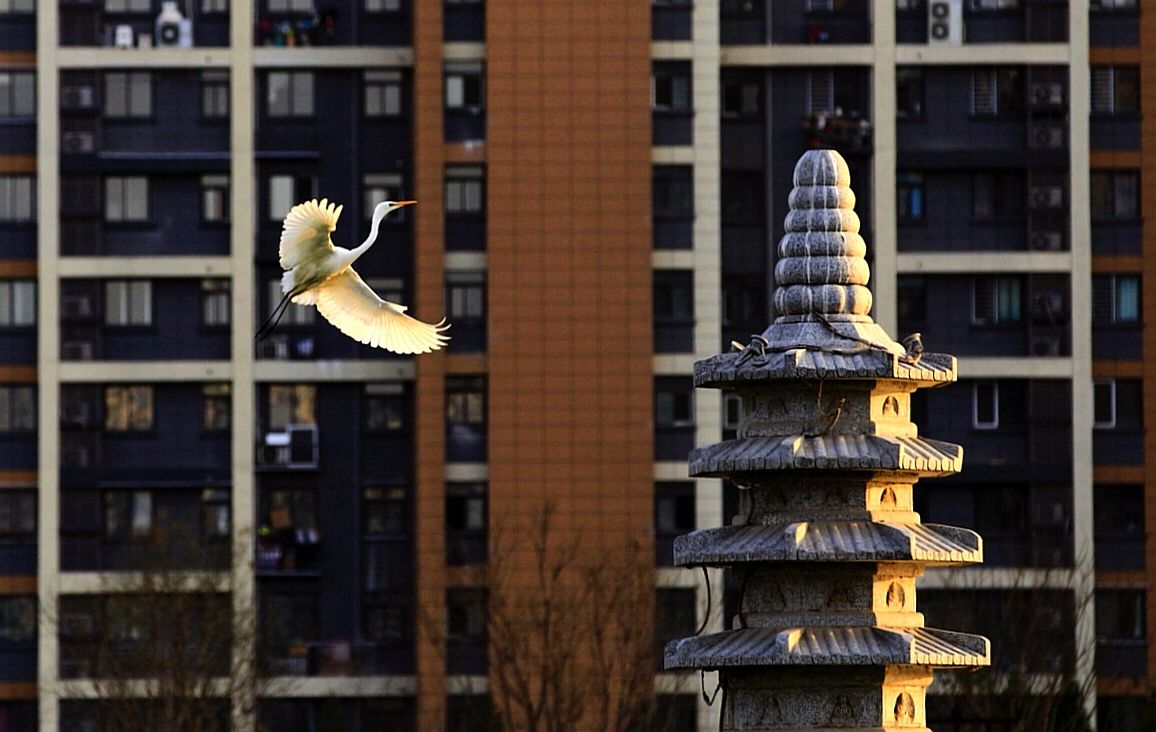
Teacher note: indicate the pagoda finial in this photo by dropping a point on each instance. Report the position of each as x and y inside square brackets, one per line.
[821, 267]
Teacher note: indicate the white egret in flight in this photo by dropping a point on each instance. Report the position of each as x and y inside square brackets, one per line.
[319, 273]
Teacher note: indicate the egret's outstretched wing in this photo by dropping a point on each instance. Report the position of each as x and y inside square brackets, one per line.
[347, 302]
[305, 233]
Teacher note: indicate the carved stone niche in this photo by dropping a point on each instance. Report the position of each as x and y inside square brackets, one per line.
[881, 407]
[781, 596]
[800, 497]
[862, 699]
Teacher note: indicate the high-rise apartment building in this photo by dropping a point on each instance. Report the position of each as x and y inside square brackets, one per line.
[601, 186]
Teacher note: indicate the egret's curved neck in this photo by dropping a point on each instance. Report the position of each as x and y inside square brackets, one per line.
[365, 245]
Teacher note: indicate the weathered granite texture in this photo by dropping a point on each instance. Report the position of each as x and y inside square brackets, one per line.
[827, 547]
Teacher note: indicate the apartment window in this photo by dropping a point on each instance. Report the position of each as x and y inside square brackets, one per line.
[215, 303]
[908, 93]
[17, 408]
[286, 191]
[820, 92]
[382, 6]
[17, 93]
[214, 6]
[466, 296]
[910, 192]
[216, 514]
[670, 87]
[673, 191]
[385, 511]
[996, 92]
[1115, 299]
[673, 402]
[126, 199]
[1112, 4]
[215, 199]
[1120, 615]
[386, 408]
[997, 300]
[18, 620]
[1115, 89]
[467, 509]
[466, 634]
[1115, 195]
[912, 298]
[465, 418]
[675, 615]
[127, 6]
[217, 407]
[128, 408]
[291, 404]
[378, 187]
[128, 94]
[289, 94]
[128, 514]
[288, 617]
[291, 508]
[673, 304]
[215, 94]
[17, 303]
[1104, 404]
[674, 515]
[741, 98]
[382, 93]
[290, 6]
[128, 302]
[17, 199]
[464, 86]
[985, 405]
[465, 189]
[997, 196]
[993, 5]
[17, 514]
[294, 314]
[17, 6]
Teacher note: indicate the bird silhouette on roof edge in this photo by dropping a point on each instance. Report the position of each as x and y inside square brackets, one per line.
[319, 273]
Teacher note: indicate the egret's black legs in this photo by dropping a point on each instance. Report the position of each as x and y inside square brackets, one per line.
[271, 322]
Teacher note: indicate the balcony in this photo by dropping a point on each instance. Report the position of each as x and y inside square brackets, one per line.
[338, 658]
[85, 23]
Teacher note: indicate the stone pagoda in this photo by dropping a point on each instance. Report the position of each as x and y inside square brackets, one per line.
[827, 546]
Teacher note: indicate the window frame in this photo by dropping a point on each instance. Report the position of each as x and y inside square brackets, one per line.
[998, 294]
[137, 299]
[145, 397]
[910, 194]
[1115, 183]
[215, 503]
[22, 608]
[216, 302]
[465, 74]
[300, 90]
[138, 105]
[1108, 421]
[976, 422]
[465, 191]
[1105, 81]
[466, 297]
[215, 191]
[18, 303]
[19, 515]
[215, 89]
[119, 191]
[17, 199]
[671, 88]
[18, 100]
[913, 77]
[128, 508]
[377, 88]
[18, 7]
[1005, 94]
[394, 400]
[217, 407]
[18, 408]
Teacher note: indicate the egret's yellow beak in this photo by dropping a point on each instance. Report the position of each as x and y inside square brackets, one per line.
[399, 204]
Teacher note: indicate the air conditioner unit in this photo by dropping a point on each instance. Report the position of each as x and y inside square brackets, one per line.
[77, 350]
[296, 447]
[1046, 94]
[72, 143]
[1046, 197]
[77, 97]
[1048, 345]
[76, 307]
[1052, 241]
[1046, 136]
[945, 22]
